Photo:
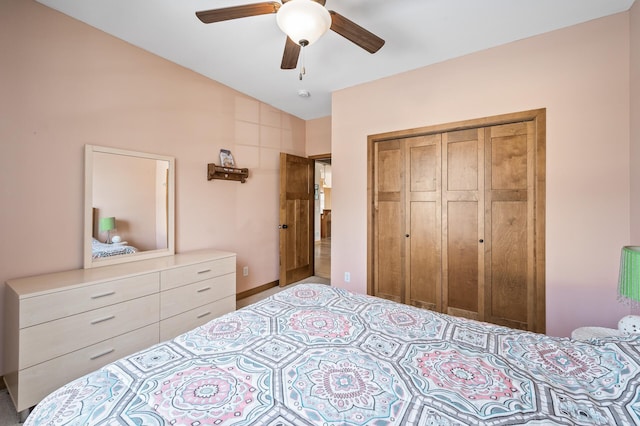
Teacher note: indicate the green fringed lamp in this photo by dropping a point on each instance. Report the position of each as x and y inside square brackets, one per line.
[629, 287]
[108, 224]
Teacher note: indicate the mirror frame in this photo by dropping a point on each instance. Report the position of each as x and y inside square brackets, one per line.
[89, 262]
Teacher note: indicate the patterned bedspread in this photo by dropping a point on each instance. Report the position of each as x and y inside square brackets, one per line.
[100, 250]
[317, 355]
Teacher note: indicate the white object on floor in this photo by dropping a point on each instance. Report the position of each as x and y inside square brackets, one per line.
[629, 324]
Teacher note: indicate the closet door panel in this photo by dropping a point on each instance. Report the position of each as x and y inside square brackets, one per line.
[509, 261]
[462, 165]
[389, 177]
[509, 157]
[510, 266]
[388, 227]
[463, 223]
[423, 167]
[423, 223]
[390, 239]
[424, 269]
[462, 258]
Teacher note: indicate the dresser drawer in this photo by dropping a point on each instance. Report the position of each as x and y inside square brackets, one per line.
[176, 325]
[181, 299]
[38, 381]
[49, 340]
[177, 277]
[39, 309]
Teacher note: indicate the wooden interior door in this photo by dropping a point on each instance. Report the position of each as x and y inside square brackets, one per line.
[388, 227]
[296, 218]
[463, 224]
[510, 225]
[423, 242]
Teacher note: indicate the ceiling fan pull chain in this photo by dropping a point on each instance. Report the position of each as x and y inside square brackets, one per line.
[303, 70]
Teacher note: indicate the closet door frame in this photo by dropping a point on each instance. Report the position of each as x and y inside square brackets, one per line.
[538, 119]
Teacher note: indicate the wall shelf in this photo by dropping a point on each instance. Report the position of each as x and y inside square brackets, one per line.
[226, 173]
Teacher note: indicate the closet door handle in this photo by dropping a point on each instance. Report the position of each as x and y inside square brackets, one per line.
[406, 235]
[481, 240]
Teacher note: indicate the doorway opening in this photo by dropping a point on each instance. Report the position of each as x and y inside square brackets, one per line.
[322, 216]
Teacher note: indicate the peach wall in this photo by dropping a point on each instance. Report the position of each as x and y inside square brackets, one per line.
[125, 188]
[65, 84]
[581, 75]
[634, 16]
[318, 136]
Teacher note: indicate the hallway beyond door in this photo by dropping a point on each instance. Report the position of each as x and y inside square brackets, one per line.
[323, 258]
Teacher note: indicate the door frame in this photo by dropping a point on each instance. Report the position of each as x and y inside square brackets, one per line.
[282, 281]
[538, 116]
[315, 158]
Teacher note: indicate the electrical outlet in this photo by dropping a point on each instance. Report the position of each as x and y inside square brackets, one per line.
[245, 271]
[347, 277]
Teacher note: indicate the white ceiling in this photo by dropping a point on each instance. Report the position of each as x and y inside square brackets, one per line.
[245, 53]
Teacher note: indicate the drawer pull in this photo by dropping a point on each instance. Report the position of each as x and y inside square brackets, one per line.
[204, 271]
[99, 320]
[204, 289]
[108, 293]
[101, 354]
[204, 314]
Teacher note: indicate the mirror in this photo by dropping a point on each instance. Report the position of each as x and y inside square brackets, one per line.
[128, 206]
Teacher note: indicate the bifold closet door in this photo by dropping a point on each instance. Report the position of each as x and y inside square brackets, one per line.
[388, 225]
[457, 218]
[407, 212]
[510, 225]
[423, 237]
[463, 223]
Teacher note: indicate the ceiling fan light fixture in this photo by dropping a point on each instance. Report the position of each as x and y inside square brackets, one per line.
[303, 21]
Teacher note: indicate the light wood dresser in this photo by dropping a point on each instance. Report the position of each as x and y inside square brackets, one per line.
[61, 326]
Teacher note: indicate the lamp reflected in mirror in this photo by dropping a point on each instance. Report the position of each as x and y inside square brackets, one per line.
[107, 224]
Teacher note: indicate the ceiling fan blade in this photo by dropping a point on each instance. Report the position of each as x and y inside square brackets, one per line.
[290, 55]
[355, 33]
[322, 2]
[234, 12]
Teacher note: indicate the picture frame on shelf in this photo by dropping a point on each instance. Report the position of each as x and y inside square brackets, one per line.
[226, 159]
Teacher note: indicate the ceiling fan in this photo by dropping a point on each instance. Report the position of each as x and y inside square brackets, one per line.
[304, 21]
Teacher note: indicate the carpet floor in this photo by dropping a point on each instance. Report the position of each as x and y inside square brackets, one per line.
[8, 414]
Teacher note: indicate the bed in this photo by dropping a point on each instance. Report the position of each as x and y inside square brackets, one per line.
[318, 355]
[101, 250]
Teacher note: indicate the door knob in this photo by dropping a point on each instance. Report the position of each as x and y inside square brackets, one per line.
[284, 226]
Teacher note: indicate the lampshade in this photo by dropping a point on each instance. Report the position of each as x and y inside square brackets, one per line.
[107, 223]
[629, 279]
[304, 21]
